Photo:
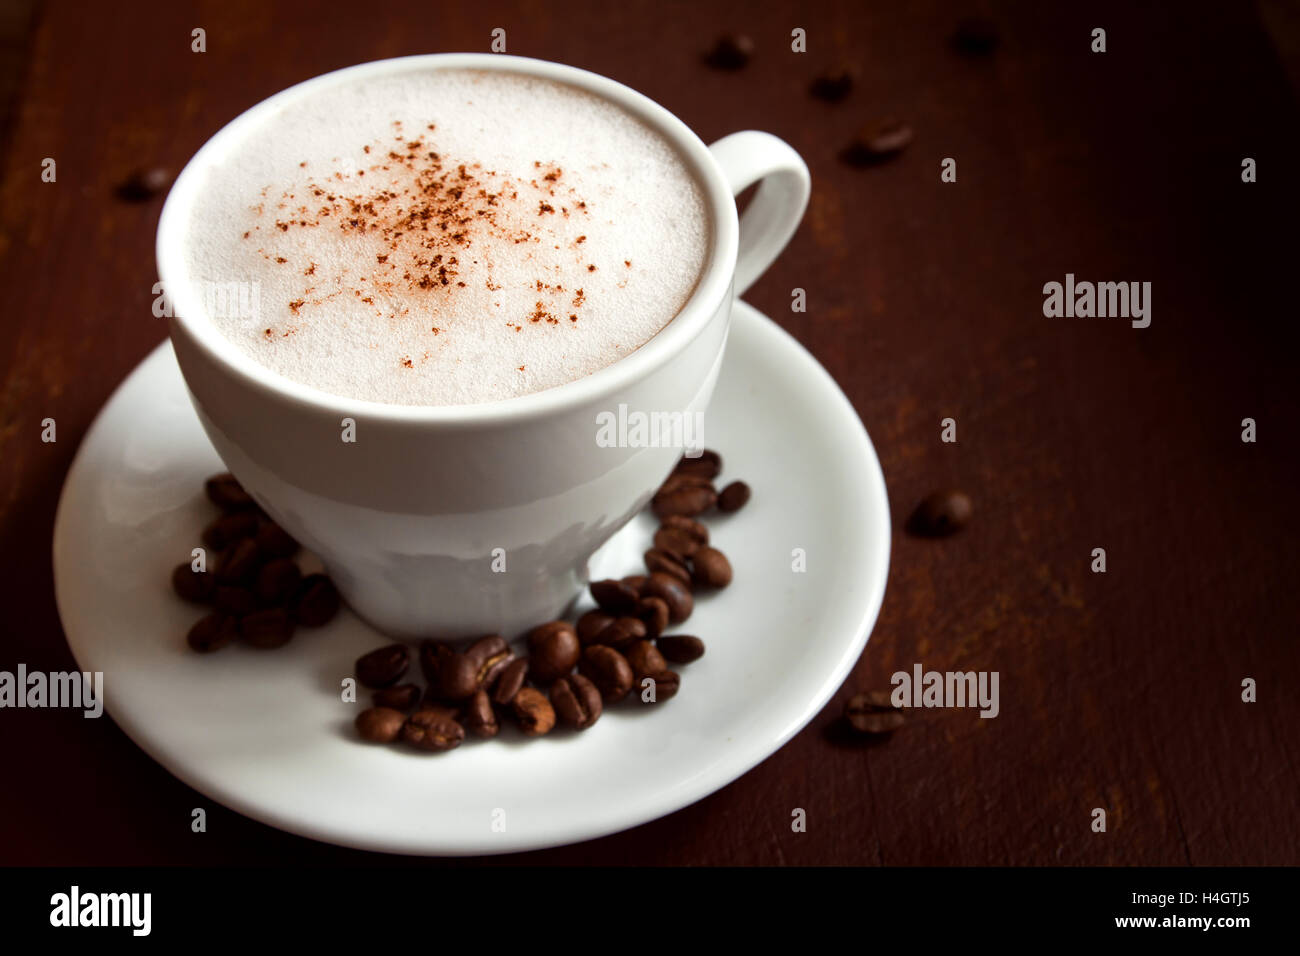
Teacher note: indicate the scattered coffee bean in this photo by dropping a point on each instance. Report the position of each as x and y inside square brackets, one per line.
[239, 565]
[266, 629]
[229, 528]
[316, 602]
[511, 679]
[645, 659]
[533, 711]
[576, 701]
[235, 601]
[432, 729]
[228, 494]
[877, 142]
[680, 648]
[490, 655]
[733, 497]
[976, 36]
[401, 697]
[710, 568]
[732, 51]
[144, 184]
[873, 713]
[707, 465]
[653, 613]
[196, 587]
[666, 684]
[621, 632]
[834, 85]
[940, 514]
[613, 596]
[681, 535]
[657, 559]
[591, 624]
[673, 592]
[277, 581]
[681, 495]
[431, 653]
[479, 717]
[380, 725]
[384, 666]
[212, 632]
[553, 650]
[274, 541]
[608, 670]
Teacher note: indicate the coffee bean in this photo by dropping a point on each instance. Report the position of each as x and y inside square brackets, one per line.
[976, 36]
[457, 677]
[941, 514]
[432, 729]
[576, 701]
[877, 142]
[239, 565]
[834, 85]
[511, 679]
[196, 587]
[591, 624]
[228, 494]
[657, 559]
[212, 632]
[533, 711]
[680, 648]
[708, 465]
[384, 666]
[733, 497]
[678, 496]
[608, 670]
[621, 632]
[277, 581]
[380, 725]
[666, 684]
[235, 601]
[431, 653]
[681, 535]
[266, 629]
[645, 659]
[653, 613]
[731, 52]
[274, 541]
[673, 592]
[490, 655]
[316, 602]
[480, 719]
[613, 596]
[401, 697]
[553, 650]
[144, 184]
[226, 529]
[873, 713]
[710, 568]
[634, 581]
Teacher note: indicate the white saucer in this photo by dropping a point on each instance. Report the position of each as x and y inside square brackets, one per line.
[265, 732]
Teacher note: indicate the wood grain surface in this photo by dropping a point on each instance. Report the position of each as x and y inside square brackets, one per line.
[1118, 690]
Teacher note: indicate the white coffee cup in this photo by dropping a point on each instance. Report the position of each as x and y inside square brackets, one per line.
[463, 520]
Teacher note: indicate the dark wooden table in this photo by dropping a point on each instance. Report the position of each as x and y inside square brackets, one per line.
[1119, 690]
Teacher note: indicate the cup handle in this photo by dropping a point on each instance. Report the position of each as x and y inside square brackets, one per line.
[771, 218]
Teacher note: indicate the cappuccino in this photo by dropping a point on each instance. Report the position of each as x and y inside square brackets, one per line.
[447, 236]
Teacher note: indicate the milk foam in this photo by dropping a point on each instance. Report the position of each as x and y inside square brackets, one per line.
[447, 237]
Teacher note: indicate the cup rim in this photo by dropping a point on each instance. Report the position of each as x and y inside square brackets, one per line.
[714, 284]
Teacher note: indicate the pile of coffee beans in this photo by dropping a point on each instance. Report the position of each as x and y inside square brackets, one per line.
[569, 672]
[257, 592]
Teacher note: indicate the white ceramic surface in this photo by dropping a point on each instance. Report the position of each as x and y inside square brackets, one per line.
[266, 733]
[410, 518]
